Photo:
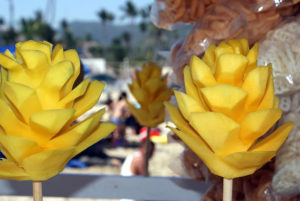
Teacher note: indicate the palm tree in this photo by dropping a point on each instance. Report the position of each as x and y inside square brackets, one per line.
[130, 11]
[126, 36]
[10, 36]
[144, 13]
[105, 17]
[68, 38]
[37, 29]
[11, 13]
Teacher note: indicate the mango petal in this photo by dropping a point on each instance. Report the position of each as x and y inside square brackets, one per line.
[40, 59]
[75, 93]
[71, 55]
[179, 121]
[226, 99]
[23, 98]
[164, 95]
[16, 148]
[190, 87]
[242, 160]
[256, 124]
[142, 77]
[3, 80]
[218, 131]
[276, 102]
[236, 46]
[255, 84]
[44, 165]
[89, 99]
[10, 123]
[146, 69]
[141, 115]
[50, 88]
[152, 85]
[230, 69]
[49, 122]
[215, 164]
[187, 104]
[140, 94]
[134, 84]
[76, 133]
[103, 130]
[57, 54]
[156, 108]
[9, 54]
[155, 70]
[223, 48]
[9, 63]
[201, 73]
[44, 47]
[268, 99]
[275, 140]
[10, 170]
[252, 54]
[209, 57]
[245, 46]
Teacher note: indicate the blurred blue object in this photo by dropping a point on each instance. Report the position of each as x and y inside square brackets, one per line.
[1, 155]
[103, 77]
[86, 69]
[75, 163]
[11, 48]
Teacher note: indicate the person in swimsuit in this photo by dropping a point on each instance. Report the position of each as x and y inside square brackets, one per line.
[118, 116]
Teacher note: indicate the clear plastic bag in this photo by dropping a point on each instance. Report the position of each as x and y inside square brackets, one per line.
[171, 14]
[224, 20]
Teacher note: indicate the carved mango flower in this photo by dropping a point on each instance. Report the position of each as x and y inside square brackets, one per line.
[38, 109]
[150, 89]
[228, 107]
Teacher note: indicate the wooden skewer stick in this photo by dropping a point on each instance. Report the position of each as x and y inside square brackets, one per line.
[147, 153]
[37, 191]
[227, 189]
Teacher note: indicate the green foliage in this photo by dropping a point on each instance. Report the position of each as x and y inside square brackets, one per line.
[9, 36]
[105, 16]
[117, 50]
[37, 29]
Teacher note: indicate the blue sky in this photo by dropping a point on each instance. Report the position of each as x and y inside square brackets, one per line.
[83, 10]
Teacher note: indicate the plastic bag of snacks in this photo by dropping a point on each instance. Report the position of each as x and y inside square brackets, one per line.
[281, 48]
[221, 20]
[168, 14]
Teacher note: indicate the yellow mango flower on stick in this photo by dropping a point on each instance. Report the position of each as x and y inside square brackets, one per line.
[38, 109]
[150, 90]
[228, 107]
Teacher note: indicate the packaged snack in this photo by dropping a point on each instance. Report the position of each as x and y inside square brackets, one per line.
[228, 19]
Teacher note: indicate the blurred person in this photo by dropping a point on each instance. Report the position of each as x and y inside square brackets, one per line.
[120, 113]
[134, 164]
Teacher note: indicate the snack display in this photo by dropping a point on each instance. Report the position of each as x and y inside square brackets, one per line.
[168, 12]
[228, 20]
[281, 48]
